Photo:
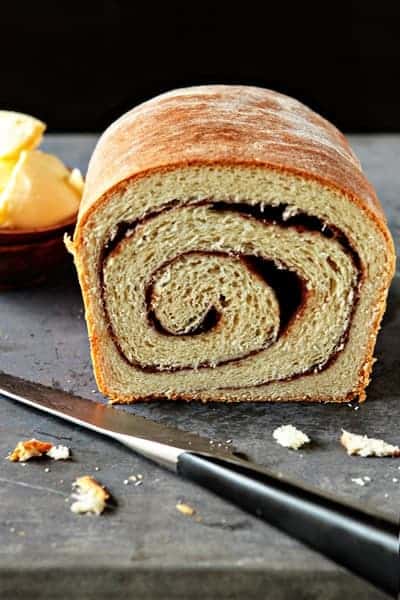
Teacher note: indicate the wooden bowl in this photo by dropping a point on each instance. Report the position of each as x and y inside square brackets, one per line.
[30, 257]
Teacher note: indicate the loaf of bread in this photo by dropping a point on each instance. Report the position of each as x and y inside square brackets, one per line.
[230, 248]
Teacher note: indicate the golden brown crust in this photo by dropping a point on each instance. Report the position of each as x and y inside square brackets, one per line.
[228, 125]
[225, 125]
[25, 450]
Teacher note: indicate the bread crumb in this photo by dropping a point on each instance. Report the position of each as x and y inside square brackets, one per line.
[185, 509]
[29, 449]
[290, 437]
[35, 448]
[361, 445]
[359, 481]
[90, 497]
[59, 452]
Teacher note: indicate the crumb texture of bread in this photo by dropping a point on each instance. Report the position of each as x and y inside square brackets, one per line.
[59, 452]
[362, 445]
[230, 248]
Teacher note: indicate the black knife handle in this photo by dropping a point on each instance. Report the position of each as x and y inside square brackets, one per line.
[365, 544]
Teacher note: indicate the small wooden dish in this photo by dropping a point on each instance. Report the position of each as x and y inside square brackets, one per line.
[30, 257]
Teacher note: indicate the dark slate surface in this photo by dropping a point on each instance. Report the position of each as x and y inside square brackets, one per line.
[144, 548]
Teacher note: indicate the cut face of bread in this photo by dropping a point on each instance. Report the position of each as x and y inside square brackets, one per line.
[230, 248]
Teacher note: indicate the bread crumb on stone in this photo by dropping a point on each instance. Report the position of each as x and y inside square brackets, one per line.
[185, 509]
[289, 436]
[29, 449]
[25, 450]
[90, 497]
[359, 481]
[361, 445]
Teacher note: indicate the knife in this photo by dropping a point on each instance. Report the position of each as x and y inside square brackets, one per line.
[364, 542]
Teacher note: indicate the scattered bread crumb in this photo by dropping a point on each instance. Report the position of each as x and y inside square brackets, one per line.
[290, 437]
[185, 509]
[59, 452]
[90, 497]
[359, 481]
[137, 479]
[35, 448]
[29, 449]
[361, 445]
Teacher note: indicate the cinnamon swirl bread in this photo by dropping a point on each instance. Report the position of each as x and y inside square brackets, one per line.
[229, 248]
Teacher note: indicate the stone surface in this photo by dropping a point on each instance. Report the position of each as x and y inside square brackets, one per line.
[145, 548]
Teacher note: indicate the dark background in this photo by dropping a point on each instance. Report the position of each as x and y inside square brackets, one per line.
[79, 65]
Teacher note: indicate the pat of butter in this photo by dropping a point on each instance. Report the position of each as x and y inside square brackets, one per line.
[6, 168]
[18, 132]
[40, 192]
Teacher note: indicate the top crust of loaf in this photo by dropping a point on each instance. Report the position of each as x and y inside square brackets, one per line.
[219, 124]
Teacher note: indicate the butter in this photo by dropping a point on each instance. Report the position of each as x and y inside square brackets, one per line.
[36, 189]
[6, 167]
[18, 132]
[38, 193]
[76, 180]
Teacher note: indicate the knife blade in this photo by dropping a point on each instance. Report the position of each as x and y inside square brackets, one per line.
[116, 423]
[364, 542]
